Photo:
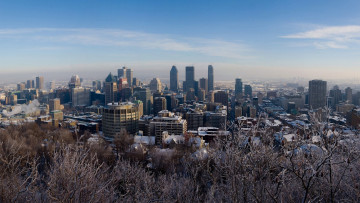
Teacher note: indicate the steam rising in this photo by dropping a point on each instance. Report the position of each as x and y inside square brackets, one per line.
[23, 108]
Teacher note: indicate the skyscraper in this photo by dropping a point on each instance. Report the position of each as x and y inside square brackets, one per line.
[129, 76]
[317, 94]
[40, 82]
[336, 96]
[29, 84]
[189, 78]
[74, 81]
[248, 91]
[204, 84]
[238, 87]
[110, 89]
[155, 85]
[174, 79]
[144, 95]
[125, 72]
[159, 104]
[210, 78]
[348, 95]
[122, 72]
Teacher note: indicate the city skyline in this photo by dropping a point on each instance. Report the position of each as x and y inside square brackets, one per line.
[247, 39]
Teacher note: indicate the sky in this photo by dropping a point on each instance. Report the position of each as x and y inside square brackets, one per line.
[246, 39]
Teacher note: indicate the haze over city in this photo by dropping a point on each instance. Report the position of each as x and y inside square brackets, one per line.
[252, 39]
[179, 101]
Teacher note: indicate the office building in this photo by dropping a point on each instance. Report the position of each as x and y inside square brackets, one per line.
[348, 95]
[52, 85]
[159, 104]
[204, 84]
[129, 77]
[74, 81]
[238, 87]
[21, 86]
[221, 97]
[80, 96]
[40, 83]
[120, 116]
[248, 91]
[335, 96]
[54, 104]
[144, 95]
[155, 85]
[174, 79]
[194, 120]
[167, 121]
[189, 78]
[210, 78]
[317, 94]
[29, 84]
[96, 85]
[110, 89]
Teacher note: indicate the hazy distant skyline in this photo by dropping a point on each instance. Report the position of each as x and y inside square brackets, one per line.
[311, 39]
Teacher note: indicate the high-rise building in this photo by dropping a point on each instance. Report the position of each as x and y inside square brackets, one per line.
[336, 96]
[248, 91]
[29, 84]
[96, 85]
[204, 84]
[80, 96]
[317, 94]
[238, 87]
[110, 89]
[221, 97]
[174, 79]
[74, 81]
[144, 95]
[127, 73]
[189, 78]
[129, 76]
[210, 78]
[21, 86]
[155, 85]
[159, 104]
[52, 85]
[194, 120]
[40, 83]
[122, 72]
[348, 95]
[167, 121]
[120, 116]
[54, 104]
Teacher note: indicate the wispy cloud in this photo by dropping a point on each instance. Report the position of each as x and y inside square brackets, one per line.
[125, 38]
[337, 37]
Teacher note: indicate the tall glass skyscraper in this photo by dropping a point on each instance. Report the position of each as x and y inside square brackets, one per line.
[210, 78]
[238, 86]
[190, 78]
[174, 79]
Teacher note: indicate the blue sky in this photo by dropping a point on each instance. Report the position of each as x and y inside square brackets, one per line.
[240, 38]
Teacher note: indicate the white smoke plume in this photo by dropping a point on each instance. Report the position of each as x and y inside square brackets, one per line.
[23, 108]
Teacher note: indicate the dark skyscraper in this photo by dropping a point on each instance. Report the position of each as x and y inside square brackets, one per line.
[317, 94]
[210, 78]
[238, 86]
[174, 79]
[204, 84]
[110, 89]
[40, 82]
[248, 91]
[129, 76]
[190, 78]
